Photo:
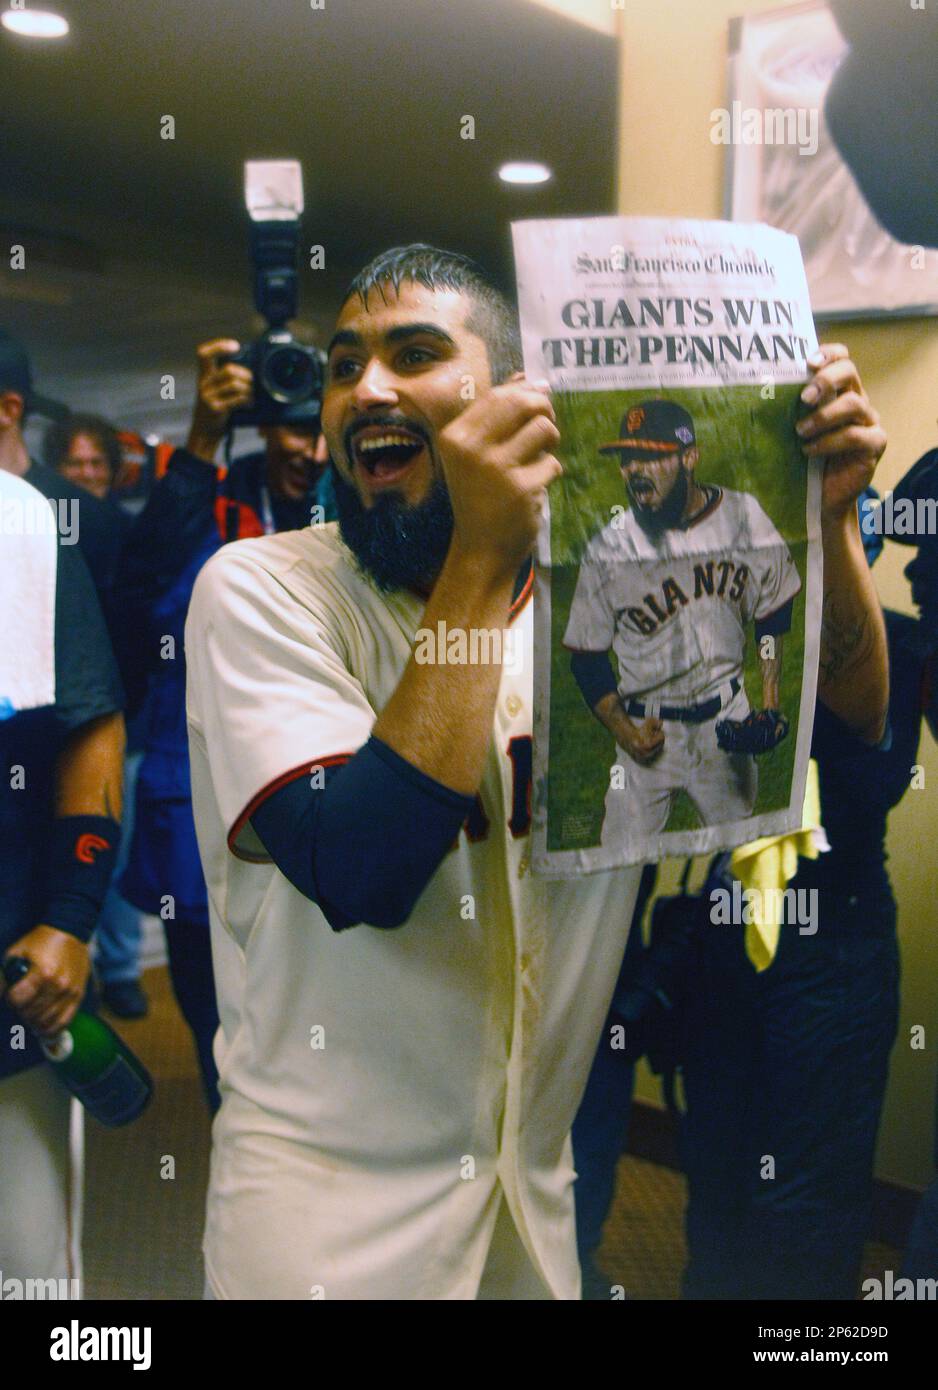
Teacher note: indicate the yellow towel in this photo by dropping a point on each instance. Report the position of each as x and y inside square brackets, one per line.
[769, 863]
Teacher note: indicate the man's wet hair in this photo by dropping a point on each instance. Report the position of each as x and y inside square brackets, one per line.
[493, 317]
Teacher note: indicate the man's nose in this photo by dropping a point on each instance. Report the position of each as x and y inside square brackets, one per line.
[374, 387]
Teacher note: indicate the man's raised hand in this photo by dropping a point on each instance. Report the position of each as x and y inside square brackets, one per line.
[498, 459]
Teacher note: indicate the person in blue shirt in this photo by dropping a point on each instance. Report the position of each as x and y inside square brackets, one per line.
[193, 510]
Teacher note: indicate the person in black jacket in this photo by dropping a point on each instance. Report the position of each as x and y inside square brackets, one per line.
[86, 451]
[95, 525]
[61, 751]
[920, 486]
[785, 1071]
[193, 510]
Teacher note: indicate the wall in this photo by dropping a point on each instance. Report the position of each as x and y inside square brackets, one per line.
[673, 73]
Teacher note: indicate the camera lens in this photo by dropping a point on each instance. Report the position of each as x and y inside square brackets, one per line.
[287, 374]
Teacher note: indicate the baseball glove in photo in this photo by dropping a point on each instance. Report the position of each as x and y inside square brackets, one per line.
[759, 732]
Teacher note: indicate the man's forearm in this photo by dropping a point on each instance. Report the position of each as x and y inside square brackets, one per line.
[90, 770]
[440, 716]
[612, 716]
[853, 674]
[770, 669]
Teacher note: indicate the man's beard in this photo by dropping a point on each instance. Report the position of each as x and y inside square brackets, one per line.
[399, 546]
[654, 521]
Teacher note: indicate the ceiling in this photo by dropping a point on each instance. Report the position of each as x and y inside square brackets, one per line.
[136, 246]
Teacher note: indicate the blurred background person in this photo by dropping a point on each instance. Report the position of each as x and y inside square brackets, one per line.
[790, 1063]
[920, 485]
[85, 449]
[61, 748]
[193, 510]
[96, 531]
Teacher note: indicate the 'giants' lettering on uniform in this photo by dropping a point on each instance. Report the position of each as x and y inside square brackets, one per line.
[672, 595]
[675, 609]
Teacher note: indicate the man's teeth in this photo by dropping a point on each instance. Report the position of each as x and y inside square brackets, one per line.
[386, 441]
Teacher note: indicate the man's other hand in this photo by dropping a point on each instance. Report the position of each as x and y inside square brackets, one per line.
[47, 999]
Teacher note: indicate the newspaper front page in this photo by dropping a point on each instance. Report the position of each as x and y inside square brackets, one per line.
[678, 571]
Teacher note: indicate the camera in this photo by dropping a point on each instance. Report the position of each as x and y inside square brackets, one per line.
[288, 375]
[288, 380]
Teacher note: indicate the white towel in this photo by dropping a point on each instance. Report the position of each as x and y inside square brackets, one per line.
[28, 560]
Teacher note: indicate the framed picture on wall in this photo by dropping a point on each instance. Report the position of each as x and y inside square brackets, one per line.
[783, 168]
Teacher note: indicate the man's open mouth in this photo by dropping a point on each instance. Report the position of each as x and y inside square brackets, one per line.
[641, 489]
[384, 451]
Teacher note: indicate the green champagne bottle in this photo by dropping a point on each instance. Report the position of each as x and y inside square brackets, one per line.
[91, 1060]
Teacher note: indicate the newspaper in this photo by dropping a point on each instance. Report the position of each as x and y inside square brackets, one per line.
[678, 570]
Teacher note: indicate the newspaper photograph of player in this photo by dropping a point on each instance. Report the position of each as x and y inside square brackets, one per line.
[677, 584]
[686, 579]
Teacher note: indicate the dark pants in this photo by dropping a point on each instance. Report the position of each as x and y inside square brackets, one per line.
[785, 1075]
[600, 1130]
[190, 966]
[600, 1133]
[921, 1253]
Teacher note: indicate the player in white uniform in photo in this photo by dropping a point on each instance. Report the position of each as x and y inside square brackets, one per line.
[408, 1017]
[674, 587]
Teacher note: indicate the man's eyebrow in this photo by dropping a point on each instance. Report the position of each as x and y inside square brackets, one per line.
[416, 330]
[344, 338]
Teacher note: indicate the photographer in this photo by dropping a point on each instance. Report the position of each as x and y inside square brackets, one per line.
[193, 510]
[280, 484]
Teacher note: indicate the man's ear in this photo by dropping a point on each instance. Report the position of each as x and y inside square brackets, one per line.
[12, 408]
[690, 457]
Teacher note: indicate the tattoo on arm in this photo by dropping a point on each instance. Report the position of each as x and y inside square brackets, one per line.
[846, 641]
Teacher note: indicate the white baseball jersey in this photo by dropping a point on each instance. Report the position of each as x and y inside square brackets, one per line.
[384, 1091]
[675, 610]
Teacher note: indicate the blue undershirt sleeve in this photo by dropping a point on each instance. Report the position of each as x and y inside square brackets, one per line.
[365, 845]
[593, 673]
[775, 624]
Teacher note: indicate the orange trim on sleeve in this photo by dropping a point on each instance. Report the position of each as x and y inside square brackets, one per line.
[336, 760]
[523, 597]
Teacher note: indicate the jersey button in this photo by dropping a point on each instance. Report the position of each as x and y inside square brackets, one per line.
[524, 863]
[513, 705]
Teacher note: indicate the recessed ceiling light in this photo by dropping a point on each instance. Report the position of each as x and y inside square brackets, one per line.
[524, 171]
[35, 24]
